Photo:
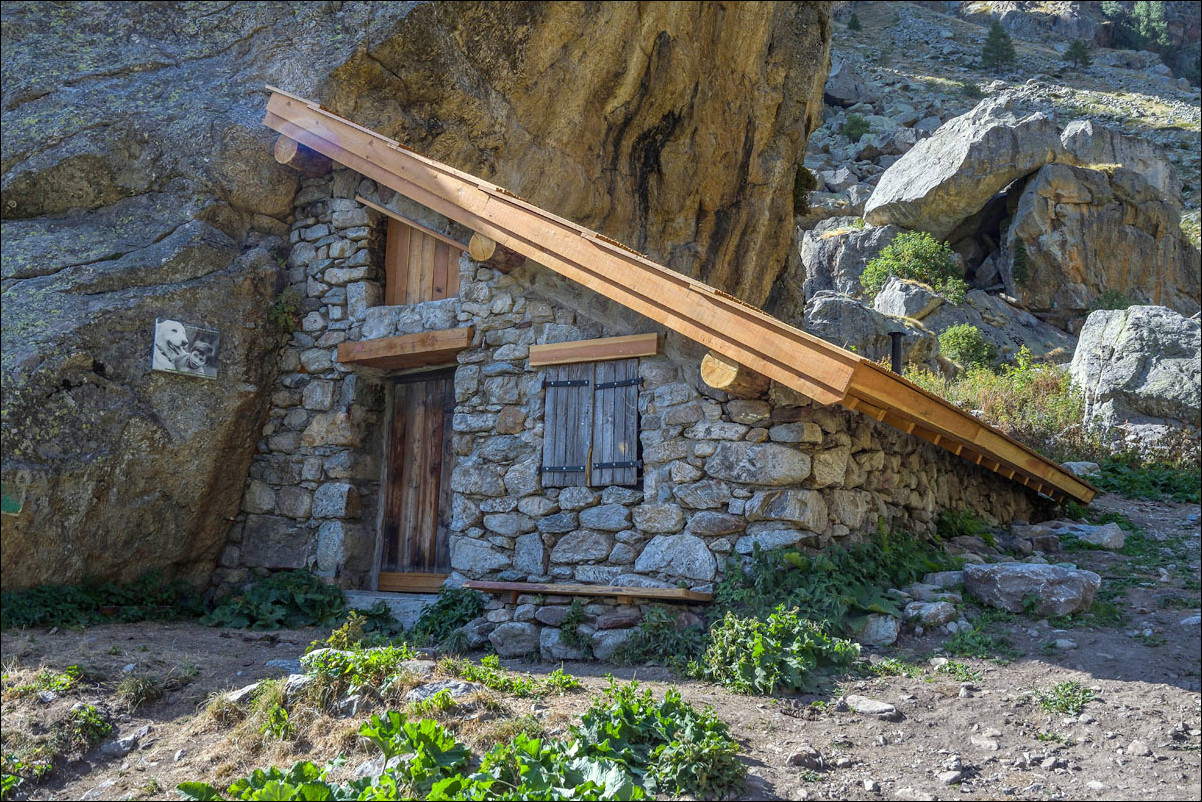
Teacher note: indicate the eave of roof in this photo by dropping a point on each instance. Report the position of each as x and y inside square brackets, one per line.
[801, 361]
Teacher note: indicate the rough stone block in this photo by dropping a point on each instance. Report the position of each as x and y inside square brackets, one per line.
[758, 463]
[295, 502]
[259, 498]
[607, 517]
[336, 500]
[658, 518]
[469, 554]
[804, 507]
[274, 543]
[515, 639]
[581, 546]
[529, 555]
[677, 555]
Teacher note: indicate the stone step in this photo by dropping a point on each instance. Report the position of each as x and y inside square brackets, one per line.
[405, 607]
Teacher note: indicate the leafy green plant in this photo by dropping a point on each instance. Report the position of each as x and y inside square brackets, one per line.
[959, 671]
[453, 608]
[1134, 476]
[917, 256]
[1068, 698]
[438, 703]
[48, 679]
[488, 672]
[289, 600]
[658, 641]
[772, 656]
[855, 126]
[958, 523]
[277, 723]
[964, 344]
[96, 600]
[88, 725]
[980, 643]
[677, 748]
[895, 667]
[569, 632]
[347, 670]
[285, 310]
[9, 782]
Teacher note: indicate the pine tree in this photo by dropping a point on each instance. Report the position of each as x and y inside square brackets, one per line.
[853, 24]
[1077, 54]
[998, 51]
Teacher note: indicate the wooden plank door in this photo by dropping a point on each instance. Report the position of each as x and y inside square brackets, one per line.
[415, 521]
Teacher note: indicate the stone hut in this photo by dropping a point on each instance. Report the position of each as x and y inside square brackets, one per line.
[453, 411]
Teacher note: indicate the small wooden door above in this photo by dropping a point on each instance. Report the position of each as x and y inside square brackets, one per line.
[419, 264]
[416, 497]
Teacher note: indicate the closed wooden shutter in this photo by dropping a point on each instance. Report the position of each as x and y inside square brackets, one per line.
[591, 424]
[615, 423]
[567, 425]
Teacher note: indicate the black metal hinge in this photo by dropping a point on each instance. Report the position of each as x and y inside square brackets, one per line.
[622, 383]
[602, 466]
[567, 383]
[562, 469]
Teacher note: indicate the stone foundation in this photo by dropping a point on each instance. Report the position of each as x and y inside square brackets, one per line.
[721, 475]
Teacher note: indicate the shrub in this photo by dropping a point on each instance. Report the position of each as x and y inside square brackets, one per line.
[290, 599]
[916, 255]
[1020, 263]
[804, 183]
[854, 127]
[96, 600]
[964, 344]
[971, 90]
[453, 608]
[998, 50]
[659, 641]
[1112, 300]
[1076, 54]
[773, 656]
[853, 24]
[1068, 698]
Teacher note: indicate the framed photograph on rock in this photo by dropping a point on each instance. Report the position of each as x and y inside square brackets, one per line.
[181, 348]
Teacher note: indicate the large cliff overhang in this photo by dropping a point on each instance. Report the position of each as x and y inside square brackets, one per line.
[738, 332]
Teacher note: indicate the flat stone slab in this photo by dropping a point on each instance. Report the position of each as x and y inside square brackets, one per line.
[457, 688]
[871, 707]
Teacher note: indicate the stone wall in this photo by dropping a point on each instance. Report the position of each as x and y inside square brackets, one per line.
[721, 474]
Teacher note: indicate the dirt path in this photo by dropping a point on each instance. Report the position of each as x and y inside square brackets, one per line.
[1138, 737]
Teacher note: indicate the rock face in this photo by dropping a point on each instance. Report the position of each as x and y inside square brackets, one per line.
[1088, 231]
[1141, 365]
[850, 324]
[950, 176]
[1011, 586]
[1007, 328]
[834, 253]
[845, 87]
[1089, 145]
[138, 183]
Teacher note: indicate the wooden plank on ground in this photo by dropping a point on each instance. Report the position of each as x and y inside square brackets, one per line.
[407, 350]
[603, 348]
[675, 594]
[423, 582]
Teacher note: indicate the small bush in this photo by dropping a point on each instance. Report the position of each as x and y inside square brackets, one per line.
[659, 641]
[853, 23]
[916, 255]
[96, 600]
[453, 608]
[285, 311]
[290, 600]
[1020, 263]
[1068, 698]
[772, 656]
[1076, 54]
[964, 344]
[998, 50]
[804, 183]
[134, 692]
[569, 631]
[971, 90]
[1111, 300]
[855, 126]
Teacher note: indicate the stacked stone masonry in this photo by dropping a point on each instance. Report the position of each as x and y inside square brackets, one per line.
[721, 475]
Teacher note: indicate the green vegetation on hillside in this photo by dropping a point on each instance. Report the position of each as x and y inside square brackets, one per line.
[917, 256]
[998, 51]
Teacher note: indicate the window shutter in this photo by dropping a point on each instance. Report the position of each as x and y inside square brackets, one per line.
[567, 425]
[616, 423]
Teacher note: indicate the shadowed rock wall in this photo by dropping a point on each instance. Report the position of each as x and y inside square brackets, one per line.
[137, 182]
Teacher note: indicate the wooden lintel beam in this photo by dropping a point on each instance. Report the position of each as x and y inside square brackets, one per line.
[408, 350]
[729, 376]
[598, 350]
[305, 161]
[395, 215]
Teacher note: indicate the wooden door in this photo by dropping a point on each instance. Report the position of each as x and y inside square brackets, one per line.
[416, 498]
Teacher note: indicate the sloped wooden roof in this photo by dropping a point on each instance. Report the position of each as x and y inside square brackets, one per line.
[746, 334]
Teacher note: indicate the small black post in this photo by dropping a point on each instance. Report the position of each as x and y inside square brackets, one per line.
[895, 351]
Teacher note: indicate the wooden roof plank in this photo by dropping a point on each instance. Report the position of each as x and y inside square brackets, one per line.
[714, 319]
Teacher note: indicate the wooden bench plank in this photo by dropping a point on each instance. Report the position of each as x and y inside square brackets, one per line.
[672, 594]
[395, 582]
